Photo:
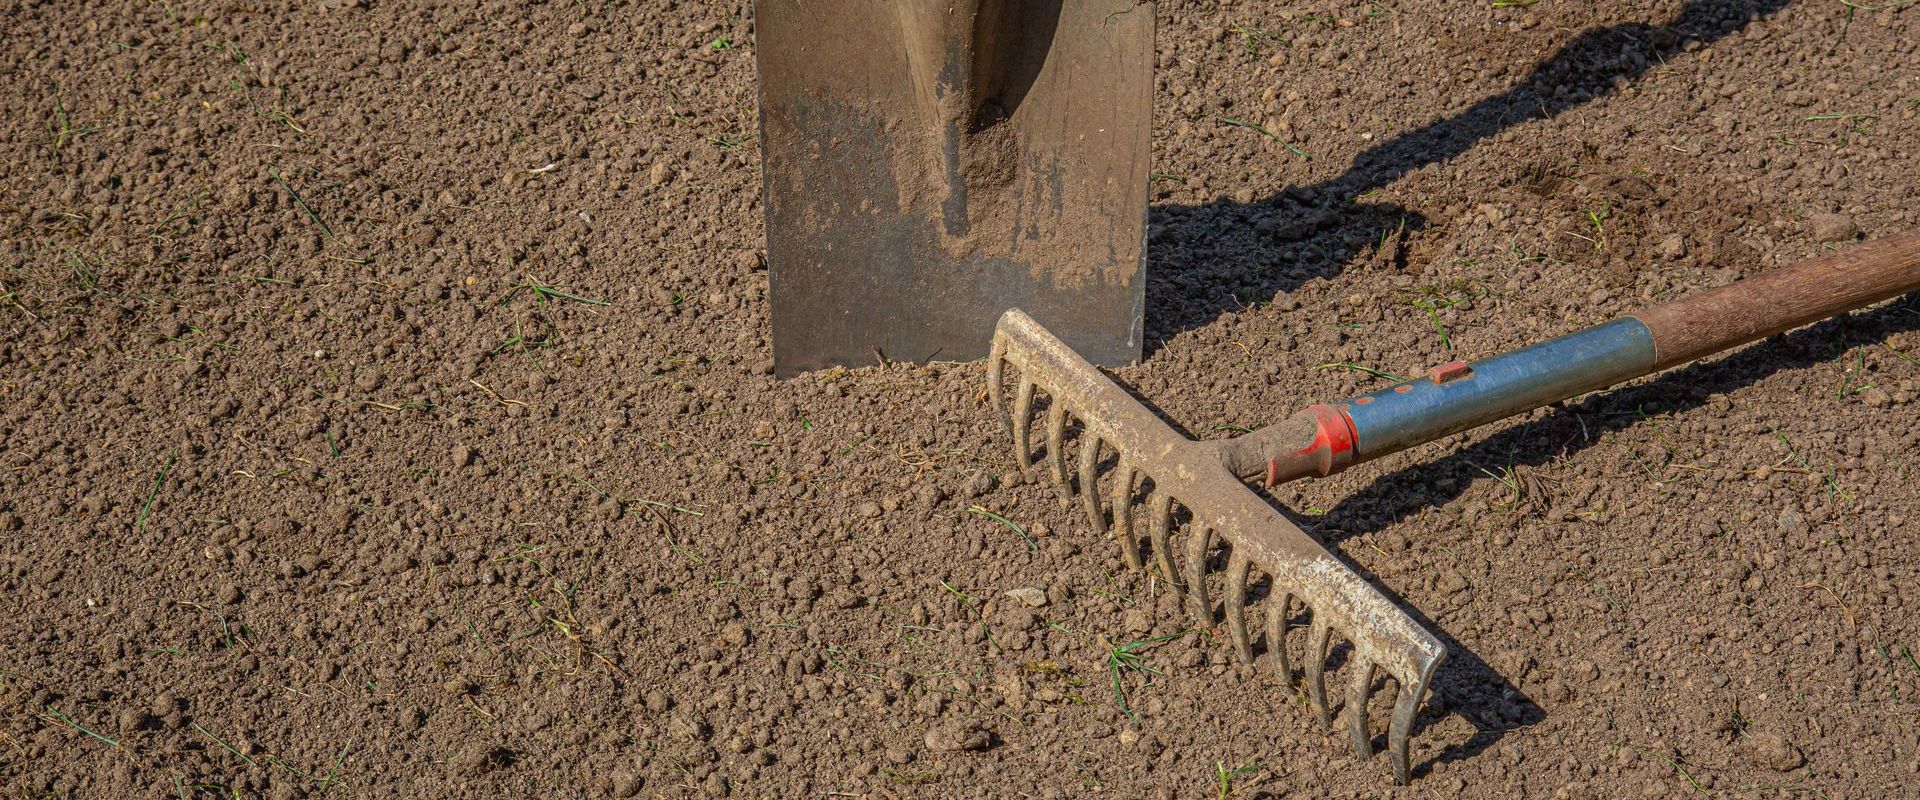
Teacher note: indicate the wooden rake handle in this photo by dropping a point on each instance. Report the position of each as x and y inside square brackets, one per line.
[1457, 396]
[1778, 300]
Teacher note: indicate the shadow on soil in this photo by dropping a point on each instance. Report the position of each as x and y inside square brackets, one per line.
[1205, 260]
[1208, 259]
[1468, 685]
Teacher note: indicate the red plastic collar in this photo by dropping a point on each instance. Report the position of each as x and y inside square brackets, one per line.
[1332, 447]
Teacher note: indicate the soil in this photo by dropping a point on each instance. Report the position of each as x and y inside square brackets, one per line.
[387, 412]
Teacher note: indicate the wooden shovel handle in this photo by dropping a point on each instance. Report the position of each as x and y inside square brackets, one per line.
[1765, 304]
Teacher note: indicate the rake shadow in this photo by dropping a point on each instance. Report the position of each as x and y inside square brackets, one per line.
[1198, 273]
[1466, 683]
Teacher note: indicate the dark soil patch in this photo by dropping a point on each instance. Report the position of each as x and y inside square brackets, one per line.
[386, 412]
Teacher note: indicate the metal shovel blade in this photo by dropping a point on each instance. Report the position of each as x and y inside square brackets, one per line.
[929, 165]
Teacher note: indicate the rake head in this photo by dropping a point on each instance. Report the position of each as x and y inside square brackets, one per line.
[1160, 472]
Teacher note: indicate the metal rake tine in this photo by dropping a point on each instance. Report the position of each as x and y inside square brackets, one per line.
[1318, 633]
[1277, 620]
[996, 373]
[1123, 513]
[1090, 481]
[1400, 730]
[1022, 410]
[1196, 563]
[1236, 605]
[1359, 685]
[1057, 450]
[1160, 509]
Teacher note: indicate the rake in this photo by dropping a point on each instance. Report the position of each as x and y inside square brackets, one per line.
[1158, 470]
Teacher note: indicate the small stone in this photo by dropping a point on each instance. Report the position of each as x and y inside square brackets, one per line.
[1792, 522]
[1028, 596]
[1136, 621]
[661, 173]
[1672, 248]
[868, 510]
[134, 719]
[624, 783]
[462, 455]
[953, 736]
[689, 728]
[481, 759]
[1772, 751]
[165, 705]
[1830, 228]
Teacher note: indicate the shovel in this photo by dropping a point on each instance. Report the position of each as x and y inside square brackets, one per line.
[929, 165]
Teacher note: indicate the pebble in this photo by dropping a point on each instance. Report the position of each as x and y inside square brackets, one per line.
[1672, 248]
[624, 783]
[1831, 228]
[1773, 751]
[953, 736]
[1792, 522]
[1028, 596]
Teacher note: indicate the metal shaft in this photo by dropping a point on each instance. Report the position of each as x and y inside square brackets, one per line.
[1458, 396]
[1455, 397]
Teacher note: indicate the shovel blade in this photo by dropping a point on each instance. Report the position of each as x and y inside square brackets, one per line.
[928, 166]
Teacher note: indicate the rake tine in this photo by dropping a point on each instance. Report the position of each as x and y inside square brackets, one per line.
[1160, 508]
[1123, 513]
[996, 392]
[1318, 633]
[1358, 687]
[1057, 450]
[1196, 563]
[1090, 482]
[1022, 410]
[1277, 637]
[1236, 606]
[1400, 730]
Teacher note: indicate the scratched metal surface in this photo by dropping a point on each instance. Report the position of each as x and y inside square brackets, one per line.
[910, 202]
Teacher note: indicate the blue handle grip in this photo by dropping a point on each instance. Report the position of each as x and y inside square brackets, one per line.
[1453, 399]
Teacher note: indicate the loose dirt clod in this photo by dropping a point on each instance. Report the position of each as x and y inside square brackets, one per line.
[952, 736]
[1773, 751]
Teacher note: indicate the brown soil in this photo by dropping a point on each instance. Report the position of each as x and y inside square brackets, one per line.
[386, 413]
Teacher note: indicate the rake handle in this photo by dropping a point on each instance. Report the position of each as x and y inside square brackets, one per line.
[1771, 302]
[1458, 396]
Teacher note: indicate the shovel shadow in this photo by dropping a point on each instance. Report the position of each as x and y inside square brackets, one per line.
[1199, 254]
